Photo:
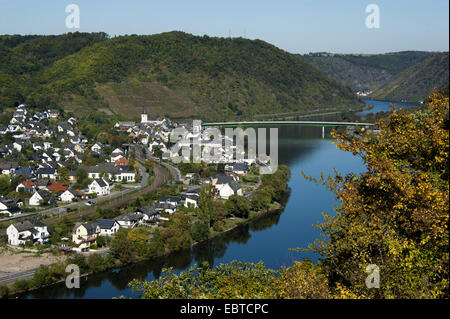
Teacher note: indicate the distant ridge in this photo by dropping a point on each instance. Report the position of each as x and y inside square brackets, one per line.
[416, 82]
[172, 73]
[365, 71]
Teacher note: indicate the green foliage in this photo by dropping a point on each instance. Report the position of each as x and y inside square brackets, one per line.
[96, 263]
[122, 248]
[226, 281]
[238, 206]
[4, 291]
[208, 77]
[21, 285]
[205, 205]
[394, 215]
[4, 184]
[199, 231]
[80, 261]
[149, 166]
[417, 81]
[365, 71]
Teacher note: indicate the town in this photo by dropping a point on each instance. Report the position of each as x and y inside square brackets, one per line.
[51, 171]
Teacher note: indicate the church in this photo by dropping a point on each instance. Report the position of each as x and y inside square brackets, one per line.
[151, 120]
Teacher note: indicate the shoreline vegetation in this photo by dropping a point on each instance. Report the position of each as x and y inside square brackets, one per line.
[393, 216]
[267, 198]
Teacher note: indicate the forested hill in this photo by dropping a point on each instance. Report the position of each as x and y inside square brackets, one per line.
[173, 73]
[365, 71]
[23, 57]
[417, 81]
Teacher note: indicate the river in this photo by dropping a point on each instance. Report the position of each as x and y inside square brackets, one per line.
[267, 239]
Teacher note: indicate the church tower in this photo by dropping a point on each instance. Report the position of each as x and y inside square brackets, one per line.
[144, 116]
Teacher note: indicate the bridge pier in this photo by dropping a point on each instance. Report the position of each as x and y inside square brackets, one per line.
[323, 132]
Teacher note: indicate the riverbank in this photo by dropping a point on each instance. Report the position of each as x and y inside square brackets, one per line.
[235, 222]
[14, 262]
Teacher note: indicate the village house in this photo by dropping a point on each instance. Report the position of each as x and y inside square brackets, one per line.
[130, 220]
[239, 168]
[225, 186]
[151, 214]
[40, 197]
[70, 195]
[47, 172]
[97, 147]
[115, 173]
[58, 187]
[10, 206]
[108, 227]
[26, 186]
[23, 231]
[122, 161]
[191, 200]
[84, 235]
[100, 187]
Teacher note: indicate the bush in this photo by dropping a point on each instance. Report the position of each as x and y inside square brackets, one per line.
[4, 291]
[41, 277]
[22, 285]
[199, 231]
[96, 263]
[238, 206]
[80, 261]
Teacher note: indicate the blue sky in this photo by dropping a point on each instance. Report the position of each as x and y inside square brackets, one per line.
[297, 26]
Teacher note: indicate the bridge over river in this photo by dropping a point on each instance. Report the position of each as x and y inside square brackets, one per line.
[277, 123]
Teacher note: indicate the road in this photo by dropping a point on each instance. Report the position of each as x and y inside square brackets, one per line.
[17, 275]
[129, 188]
[141, 156]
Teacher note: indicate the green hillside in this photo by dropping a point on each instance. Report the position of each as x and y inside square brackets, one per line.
[23, 57]
[364, 71]
[416, 82]
[173, 73]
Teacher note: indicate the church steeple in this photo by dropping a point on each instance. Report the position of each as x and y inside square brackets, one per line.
[144, 115]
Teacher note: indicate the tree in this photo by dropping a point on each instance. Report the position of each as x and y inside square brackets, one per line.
[149, 166]
[4, 184]
[157, 152]
[395, 214]
[96, 263]
[226, 281]
[206, 205]
[238, 206]
[122, 248]
[139, 239]
[63, 173]
[82, 176]
[199, 231]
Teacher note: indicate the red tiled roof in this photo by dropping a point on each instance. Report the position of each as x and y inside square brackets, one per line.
[28, 184]
[122, 162]
[58, 187]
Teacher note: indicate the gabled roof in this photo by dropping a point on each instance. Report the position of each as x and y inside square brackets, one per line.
[106, 223]
[234, 185]
[44, 194]
[222, 179]
[91, 227]
[148, 210]
[46, 171]
[75, 192]
[58, 187]
[28, 225]
[130, 217]
[101, 182]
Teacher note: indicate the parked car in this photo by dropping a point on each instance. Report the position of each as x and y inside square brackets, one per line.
[90, 202]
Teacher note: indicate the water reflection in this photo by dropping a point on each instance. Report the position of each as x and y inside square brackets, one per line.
[209, 251]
